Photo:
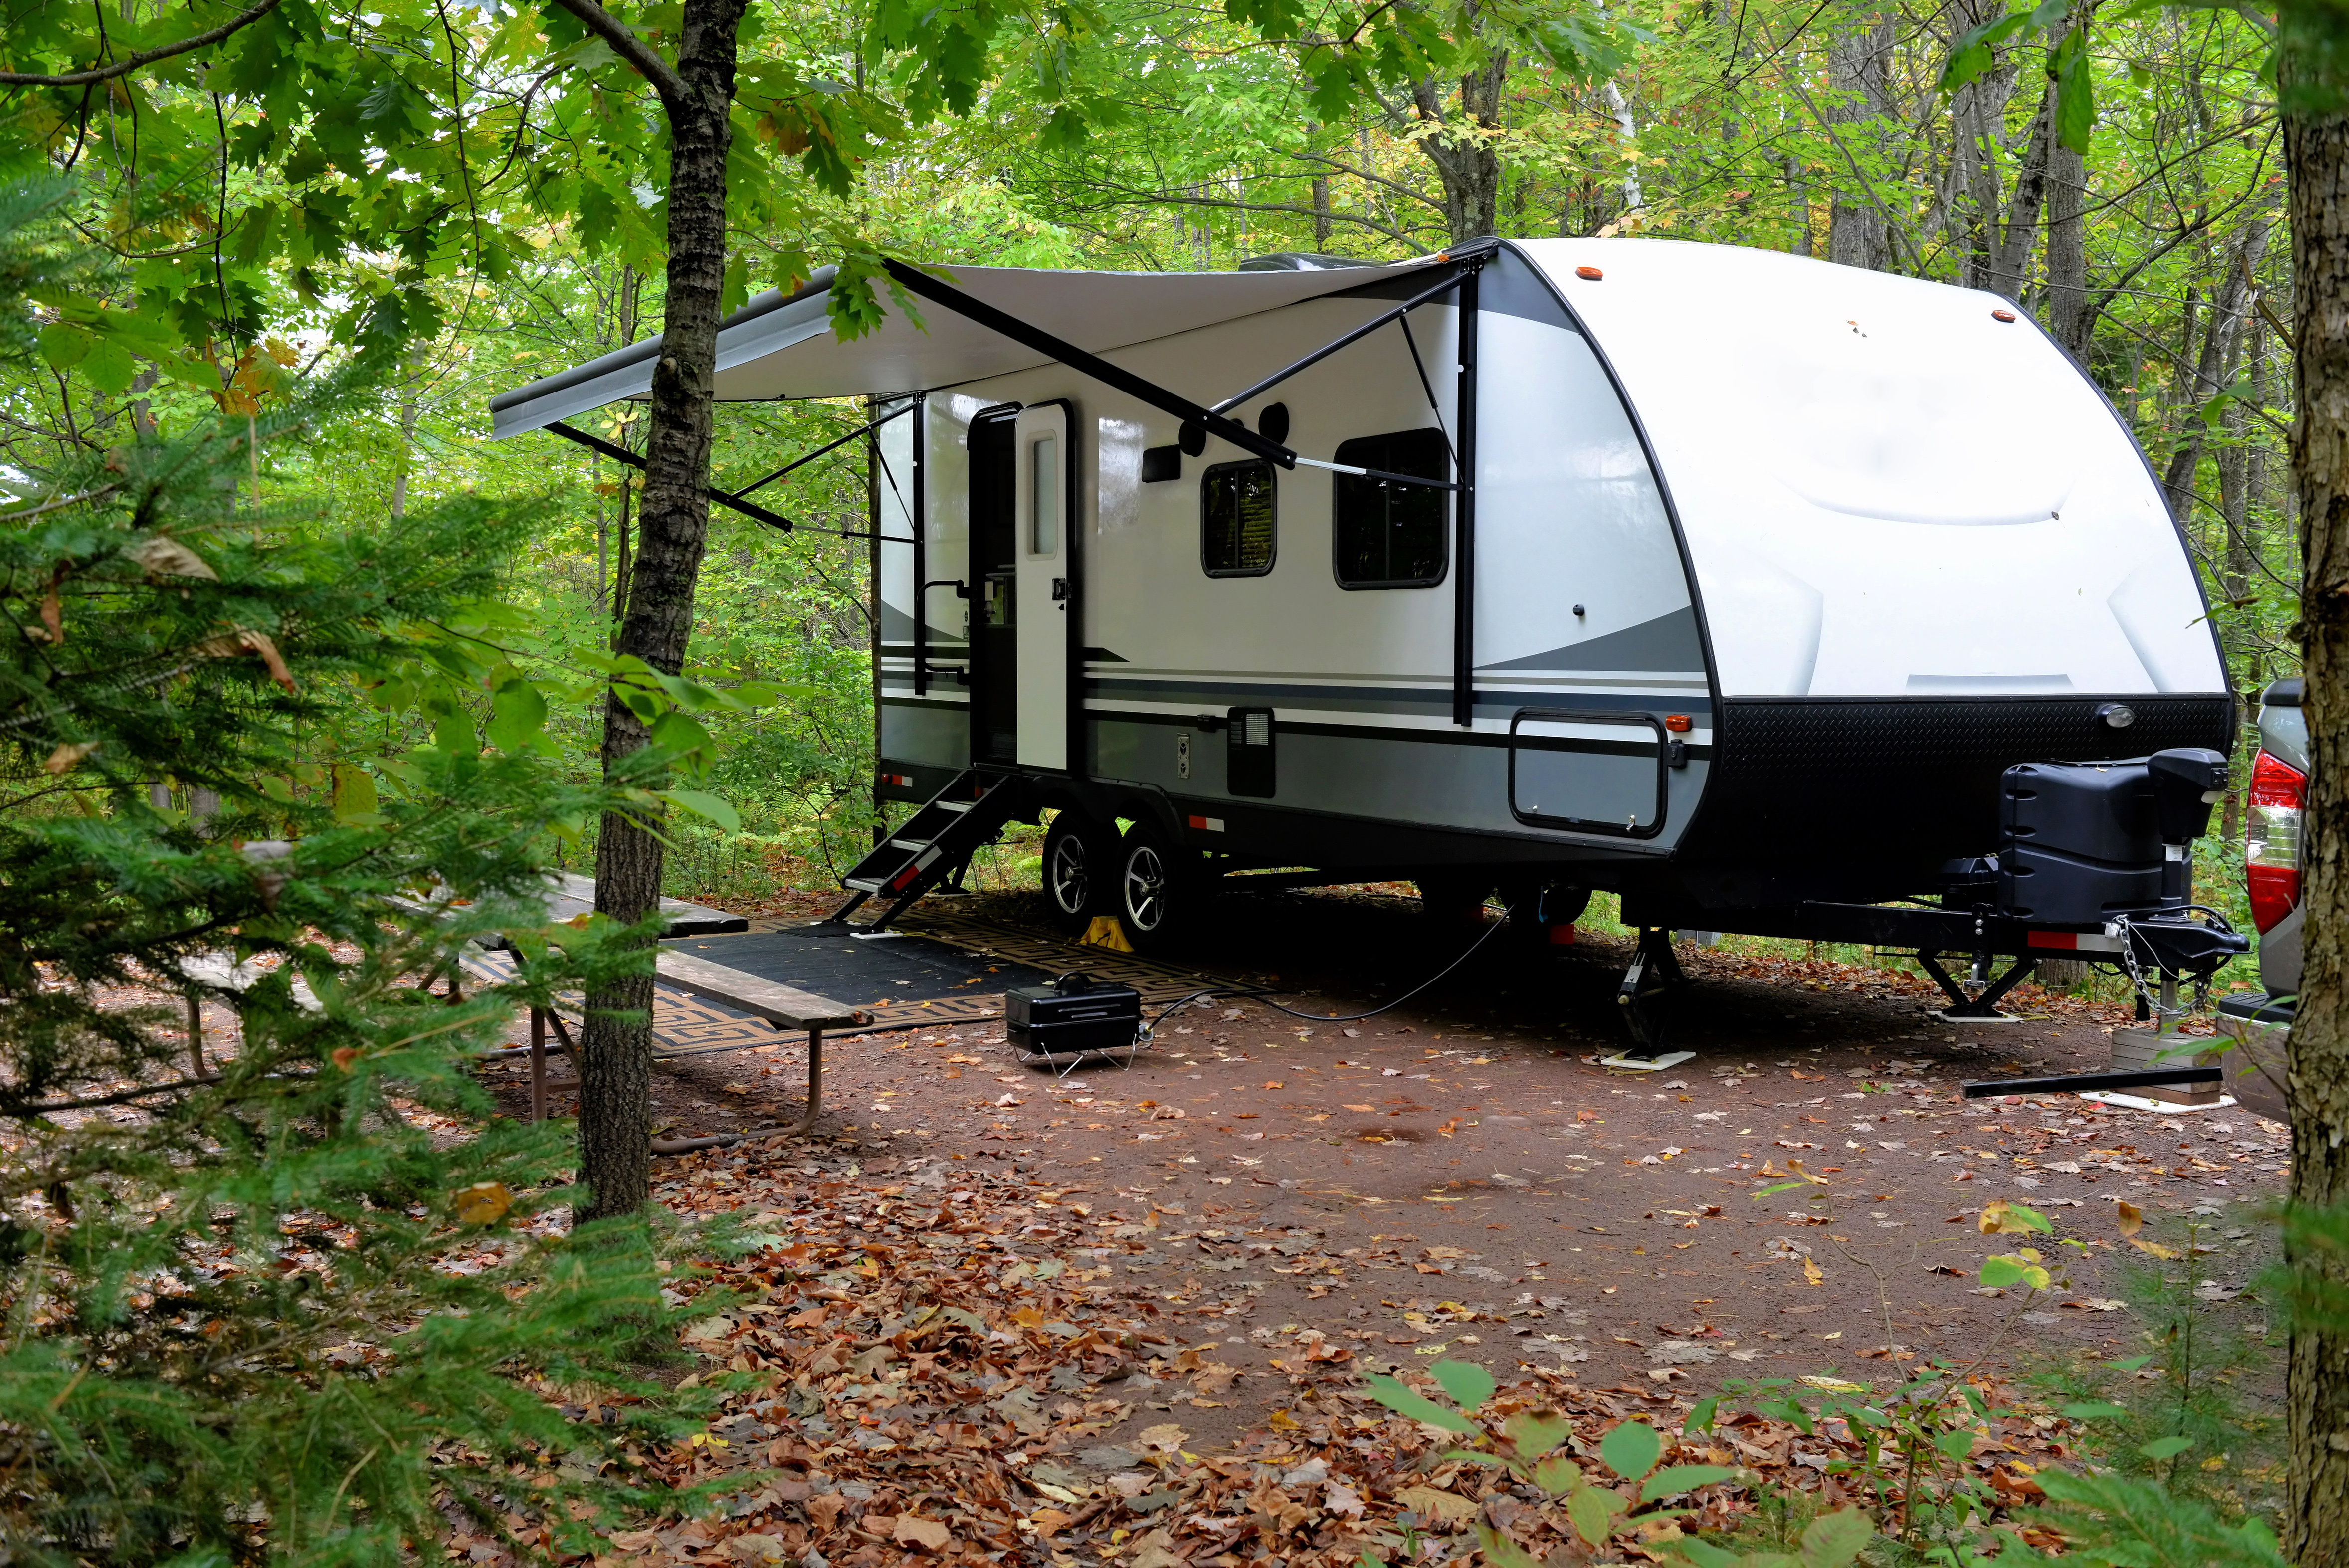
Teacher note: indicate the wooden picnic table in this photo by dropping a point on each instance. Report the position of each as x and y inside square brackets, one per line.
[781, 1006]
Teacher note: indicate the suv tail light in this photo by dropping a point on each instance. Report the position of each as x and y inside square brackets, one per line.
[2272, 846]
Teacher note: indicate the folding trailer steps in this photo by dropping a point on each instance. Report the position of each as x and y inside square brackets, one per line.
[941, 836]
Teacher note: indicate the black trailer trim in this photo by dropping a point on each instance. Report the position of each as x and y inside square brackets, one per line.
[1463, 510]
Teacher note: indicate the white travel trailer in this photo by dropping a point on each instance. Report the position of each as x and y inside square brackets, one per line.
[1731, 581]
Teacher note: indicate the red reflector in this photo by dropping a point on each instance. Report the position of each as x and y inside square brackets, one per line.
[2002, 315]
[1561, 936]
[2272, 839]
[2064, 939]
[1589, 275]
[1677, 723]
[904, 877]
[1198, 822]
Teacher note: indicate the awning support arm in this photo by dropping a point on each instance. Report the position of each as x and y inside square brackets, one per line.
[757, 513]
[915, 281]
[1451, 282]
[621, 454]
[864, 429]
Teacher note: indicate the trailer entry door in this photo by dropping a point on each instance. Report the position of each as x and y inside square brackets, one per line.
[995, 699]
[1589, 772]
[1046, 611]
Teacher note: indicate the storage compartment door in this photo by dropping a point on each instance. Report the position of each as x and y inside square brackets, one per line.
[1589, 772]
[1046, 613]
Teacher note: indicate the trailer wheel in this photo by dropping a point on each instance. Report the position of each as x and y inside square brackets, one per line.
[1074, 867]
[1157, 888]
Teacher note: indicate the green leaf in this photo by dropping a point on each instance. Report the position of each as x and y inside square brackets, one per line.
[1593, 1510]
[2076, 93]
[1702, 1553]
[2031, 1217]
[1701, 1414]
[453, 732]
[1558, 1475]
[2094, 1410]
[701, 804]
[1673, 1480]
[517, 712]
[2131, 1365]
[2004, 1269]
[355, 795]
[1534, 1435]
[1835, 1538]
[1631, 1450]
[1780, 1187]
[1958, 1444]
[2166, 1448]
[1403, 1402]
[65, 346]
[1468, 1384]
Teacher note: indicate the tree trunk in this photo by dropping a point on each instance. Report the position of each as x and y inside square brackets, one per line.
[615, 1062]
[2018, 235]
[1860, 67]
[1461, 148]
[2070, 320]
[2228, 305]
[2316, 156]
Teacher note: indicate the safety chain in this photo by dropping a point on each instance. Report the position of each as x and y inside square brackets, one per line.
[2119, 927]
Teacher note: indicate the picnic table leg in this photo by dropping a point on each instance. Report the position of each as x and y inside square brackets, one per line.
[815, 1082]
[537, 1065]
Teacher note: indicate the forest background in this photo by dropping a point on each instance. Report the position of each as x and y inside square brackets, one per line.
[1117, 136]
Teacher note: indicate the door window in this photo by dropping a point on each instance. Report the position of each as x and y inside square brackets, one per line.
[1044, 535]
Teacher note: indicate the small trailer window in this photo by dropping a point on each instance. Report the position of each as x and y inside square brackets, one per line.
[1236, 518]
[1390, 535]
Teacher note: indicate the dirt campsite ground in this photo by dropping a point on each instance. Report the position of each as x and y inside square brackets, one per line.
[1461, 1177]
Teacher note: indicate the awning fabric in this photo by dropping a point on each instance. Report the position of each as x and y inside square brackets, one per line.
[781, 345]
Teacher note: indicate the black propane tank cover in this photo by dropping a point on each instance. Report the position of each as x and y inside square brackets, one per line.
[2078, 841]
[1192, 438]
[2186, 780]
[1273, 423]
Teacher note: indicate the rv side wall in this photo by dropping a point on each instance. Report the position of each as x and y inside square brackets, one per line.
[1324, 604]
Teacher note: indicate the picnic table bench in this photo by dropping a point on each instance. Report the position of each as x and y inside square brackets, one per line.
[782, 1008]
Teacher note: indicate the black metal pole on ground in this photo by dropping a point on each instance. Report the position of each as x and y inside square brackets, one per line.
[2078, 1083]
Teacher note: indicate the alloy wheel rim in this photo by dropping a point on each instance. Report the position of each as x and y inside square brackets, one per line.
[1145, 888]
[1072, 879]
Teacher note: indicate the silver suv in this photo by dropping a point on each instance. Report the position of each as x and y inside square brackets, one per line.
[2272, 852]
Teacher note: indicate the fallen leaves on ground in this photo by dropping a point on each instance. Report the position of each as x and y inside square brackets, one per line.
[934, 1359]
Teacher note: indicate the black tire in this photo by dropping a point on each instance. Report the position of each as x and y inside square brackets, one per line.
[1157, 890]
[1074, 862]
[1535, 910]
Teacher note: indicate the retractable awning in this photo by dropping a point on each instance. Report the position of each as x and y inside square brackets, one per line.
[781, 345]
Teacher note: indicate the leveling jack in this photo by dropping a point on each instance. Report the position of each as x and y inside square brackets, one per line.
[1654, 974]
